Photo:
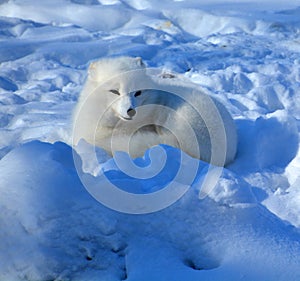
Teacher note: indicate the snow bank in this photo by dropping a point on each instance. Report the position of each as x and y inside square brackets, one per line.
[92, 18]
[47, 214]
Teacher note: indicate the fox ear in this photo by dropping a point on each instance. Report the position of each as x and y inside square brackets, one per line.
[92, 71]
[139, 61]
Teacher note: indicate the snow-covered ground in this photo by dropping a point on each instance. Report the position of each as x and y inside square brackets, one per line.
[246, 53]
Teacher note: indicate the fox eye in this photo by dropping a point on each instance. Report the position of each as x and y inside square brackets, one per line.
[116, 92]
[137, 93]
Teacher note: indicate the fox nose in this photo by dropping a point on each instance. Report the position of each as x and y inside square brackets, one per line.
[131, 112]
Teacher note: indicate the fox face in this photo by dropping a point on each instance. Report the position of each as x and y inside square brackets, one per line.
[125, 104]
[120, 82]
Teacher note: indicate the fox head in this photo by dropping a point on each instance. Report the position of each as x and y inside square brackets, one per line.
[122, 80]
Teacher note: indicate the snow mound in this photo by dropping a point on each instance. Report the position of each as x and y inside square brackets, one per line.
[67, 234]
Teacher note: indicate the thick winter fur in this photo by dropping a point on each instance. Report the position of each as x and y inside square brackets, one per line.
[122, 107]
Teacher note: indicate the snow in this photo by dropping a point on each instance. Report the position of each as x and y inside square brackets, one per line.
[173, 217]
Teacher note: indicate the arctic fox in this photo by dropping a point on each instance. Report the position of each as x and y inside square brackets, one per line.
[124, 108]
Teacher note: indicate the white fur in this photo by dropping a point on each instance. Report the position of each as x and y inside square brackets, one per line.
[173, 109]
